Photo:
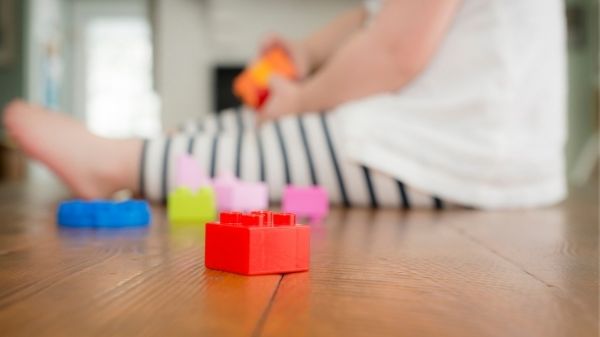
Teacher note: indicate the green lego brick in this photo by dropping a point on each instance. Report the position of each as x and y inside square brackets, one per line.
[185, 206]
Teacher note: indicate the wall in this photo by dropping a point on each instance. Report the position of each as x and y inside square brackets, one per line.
[12, 77]
[179, 59]
[191, 35]
[45, 41]
[583, 84]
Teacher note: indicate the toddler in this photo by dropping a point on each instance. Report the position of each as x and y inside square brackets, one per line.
[400, 103]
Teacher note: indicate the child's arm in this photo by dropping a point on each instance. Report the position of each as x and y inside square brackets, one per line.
[310, 53]
[382, 57]
[321, 44]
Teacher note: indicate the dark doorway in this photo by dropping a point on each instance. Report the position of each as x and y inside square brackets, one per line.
[223, 76]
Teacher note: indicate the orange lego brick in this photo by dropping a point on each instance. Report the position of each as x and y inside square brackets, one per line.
[252, 85]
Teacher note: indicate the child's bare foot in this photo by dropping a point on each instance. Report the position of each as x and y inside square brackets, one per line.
[92, 166]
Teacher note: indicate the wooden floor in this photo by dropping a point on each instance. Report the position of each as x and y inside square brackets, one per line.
[373, 273]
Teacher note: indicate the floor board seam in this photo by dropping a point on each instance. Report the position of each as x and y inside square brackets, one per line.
[522, 268]
[500, 255]
[263, 318]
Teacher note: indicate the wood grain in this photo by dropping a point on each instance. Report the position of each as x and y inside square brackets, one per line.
[386, 274]
[373, 273]
[133, 282]
[556, 246]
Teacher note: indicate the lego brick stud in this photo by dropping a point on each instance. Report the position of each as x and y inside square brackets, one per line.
[267, 216]
[252, 219]
[284, 219]
[230, 217]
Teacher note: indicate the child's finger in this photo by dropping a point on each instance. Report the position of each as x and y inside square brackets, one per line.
[267, 111]
[262, 118]
[275, 82]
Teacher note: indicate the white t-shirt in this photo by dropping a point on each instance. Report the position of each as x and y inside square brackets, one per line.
[484, 124]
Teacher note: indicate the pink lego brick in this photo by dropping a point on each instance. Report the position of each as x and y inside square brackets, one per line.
[189, 174]
[233, 194]
[310, 201]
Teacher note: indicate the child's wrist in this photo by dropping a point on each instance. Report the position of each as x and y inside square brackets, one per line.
[305, 63]
[303, 98]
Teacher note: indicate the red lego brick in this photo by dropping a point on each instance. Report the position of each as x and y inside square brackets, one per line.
[260, 242]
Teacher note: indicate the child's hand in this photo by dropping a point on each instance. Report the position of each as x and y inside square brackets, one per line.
[295, 49]
[284, 99]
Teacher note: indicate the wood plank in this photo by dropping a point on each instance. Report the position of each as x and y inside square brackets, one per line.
[26, 207]
[173, 295]
[150, 282]
[558, 245]
[452, 273]
[391, 274]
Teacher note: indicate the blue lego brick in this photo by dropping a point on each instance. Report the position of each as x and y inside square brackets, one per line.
[103, 213]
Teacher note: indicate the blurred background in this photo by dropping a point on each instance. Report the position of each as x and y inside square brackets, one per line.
[118, 65]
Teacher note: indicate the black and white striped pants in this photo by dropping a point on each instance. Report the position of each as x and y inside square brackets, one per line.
[300, 150]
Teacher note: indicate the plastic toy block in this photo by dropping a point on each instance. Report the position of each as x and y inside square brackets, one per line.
[311, 202]
[185, 206]
[189, 174]
[257, 243]
[233, 194]
[103, 213]
[252, 85]
[281, 62]
[261, 73]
